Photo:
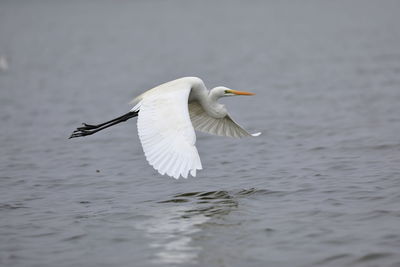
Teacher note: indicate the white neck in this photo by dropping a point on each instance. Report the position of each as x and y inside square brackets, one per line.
[212, 107]
[207, 99]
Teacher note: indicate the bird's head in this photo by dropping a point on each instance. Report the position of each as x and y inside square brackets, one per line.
[222, 91]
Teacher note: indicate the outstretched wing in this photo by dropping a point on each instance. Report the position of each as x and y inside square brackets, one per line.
[225, 126]
[166, 132]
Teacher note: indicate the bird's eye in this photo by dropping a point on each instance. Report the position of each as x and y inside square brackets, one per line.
[226, 92]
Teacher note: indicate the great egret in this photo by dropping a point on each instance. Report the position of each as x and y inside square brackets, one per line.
[167, 117]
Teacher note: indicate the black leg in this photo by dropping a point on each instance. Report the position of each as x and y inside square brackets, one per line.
[91, 126]
[88, 129]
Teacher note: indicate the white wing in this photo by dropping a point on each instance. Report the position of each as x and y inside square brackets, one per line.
[225, 126]
[167, 134]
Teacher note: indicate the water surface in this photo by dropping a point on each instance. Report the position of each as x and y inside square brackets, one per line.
[320, 187]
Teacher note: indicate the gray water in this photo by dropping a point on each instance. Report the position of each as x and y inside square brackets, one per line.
[319, 187]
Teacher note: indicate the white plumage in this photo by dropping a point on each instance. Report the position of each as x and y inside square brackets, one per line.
[166, 133]
[167, 117]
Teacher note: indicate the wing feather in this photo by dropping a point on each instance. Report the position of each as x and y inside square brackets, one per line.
[225, 126]
[166, 132]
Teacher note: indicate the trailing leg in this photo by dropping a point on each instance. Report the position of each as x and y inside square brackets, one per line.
[89, 129]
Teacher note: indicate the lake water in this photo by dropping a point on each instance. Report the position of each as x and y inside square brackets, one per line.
[319, 187]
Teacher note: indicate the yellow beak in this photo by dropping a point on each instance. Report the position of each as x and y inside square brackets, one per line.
[240, 92]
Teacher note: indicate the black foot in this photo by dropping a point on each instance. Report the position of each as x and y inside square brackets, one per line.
[77, 134]
[86, 127]
[81, 132]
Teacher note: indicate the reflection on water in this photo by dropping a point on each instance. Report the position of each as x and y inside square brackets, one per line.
[205, 203]
[169, 233]
[171, 228]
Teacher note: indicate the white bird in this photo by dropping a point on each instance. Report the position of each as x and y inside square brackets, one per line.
[167, 117]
